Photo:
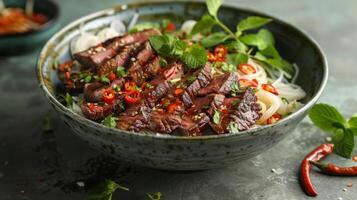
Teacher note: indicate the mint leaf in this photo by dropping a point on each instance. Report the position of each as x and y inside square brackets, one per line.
[204, 25]
[104, 191]
[217, 117]
[251, 23]
[344, 142]
[214, 39]
[194, 56]
[168, 45]
[237, 58]
[110, 121]
[326, 117]
[213, 6]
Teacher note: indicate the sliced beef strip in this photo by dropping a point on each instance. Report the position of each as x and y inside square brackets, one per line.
[247, 112]
[164, 122]
[95, 56]
[122, 58]
[244, 115]
[161, 88]
[174, 70]
[93, 92]
[216, 103]
[131, 123]
[193, 125]
[220, 84]
[95, 111]
[203, 78]
[137, 65]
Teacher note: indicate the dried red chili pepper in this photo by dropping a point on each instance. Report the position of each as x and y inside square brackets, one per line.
[332, 169]
[316, 155]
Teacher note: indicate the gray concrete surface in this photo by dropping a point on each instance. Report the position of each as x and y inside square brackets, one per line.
[38, 166]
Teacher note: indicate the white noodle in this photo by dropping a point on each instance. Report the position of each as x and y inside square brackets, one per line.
[133, 21]
[297, 71]
[272, 103]
[188, 25]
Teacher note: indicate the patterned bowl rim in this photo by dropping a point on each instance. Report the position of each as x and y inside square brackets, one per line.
[110, 11]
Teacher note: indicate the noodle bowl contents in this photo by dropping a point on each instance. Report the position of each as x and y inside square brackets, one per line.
[189, 81]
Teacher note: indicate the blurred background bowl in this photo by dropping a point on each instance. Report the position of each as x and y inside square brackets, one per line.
[11, 44]
[174, 152]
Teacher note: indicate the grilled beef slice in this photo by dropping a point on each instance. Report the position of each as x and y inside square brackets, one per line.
[118, 60]
[220, 84]
[95, 111]
[95, 56]
[203, 78]
[93, 92]
[164, 122]
[193, 125]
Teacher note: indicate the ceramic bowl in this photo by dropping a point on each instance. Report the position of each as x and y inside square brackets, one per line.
[23, 42]
[185, 153]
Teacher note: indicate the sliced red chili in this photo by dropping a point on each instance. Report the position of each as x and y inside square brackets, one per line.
[270, 88]
[178, 91]
[170, 27]
[211, 57]
[164, 102]
[247, 68]
[67, 75]
[274, 118]
[130, 85]
[172, 107]
[132, 97]
[109, 96]
[220, 51]
[243, 83]
[112, 76]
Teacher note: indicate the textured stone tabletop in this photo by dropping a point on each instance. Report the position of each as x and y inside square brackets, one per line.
[40, 166]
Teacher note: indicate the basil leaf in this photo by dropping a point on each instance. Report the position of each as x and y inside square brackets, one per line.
[104, 191]
[344, 142]
[214, 39]
[251, 23]
[213, 6]
[237, 58]
[104, 79]
[204, 25]
[326, 117]
[217, 117]
[194, 56]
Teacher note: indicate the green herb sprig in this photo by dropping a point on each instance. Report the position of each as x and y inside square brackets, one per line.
[193, 56]
[263, 42]
[104, 191]
[342, 131]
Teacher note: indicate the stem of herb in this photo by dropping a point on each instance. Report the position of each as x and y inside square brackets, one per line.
[225, 28]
